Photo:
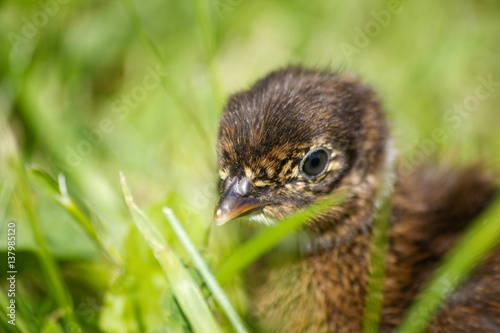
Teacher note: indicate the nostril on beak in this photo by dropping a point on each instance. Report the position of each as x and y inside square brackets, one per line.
[244, 187]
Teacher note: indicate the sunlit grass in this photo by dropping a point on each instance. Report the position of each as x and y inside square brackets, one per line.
[75, 102]
[379, 247]
[185, 290]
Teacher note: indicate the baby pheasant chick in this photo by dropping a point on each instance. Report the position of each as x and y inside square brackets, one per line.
[300, 135]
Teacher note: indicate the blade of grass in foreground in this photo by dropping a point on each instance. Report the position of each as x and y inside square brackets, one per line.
[184, 288]
[268, 238]
[58, 192]
[52, 274]
[205, 272]
[476, 243]
[375, 285]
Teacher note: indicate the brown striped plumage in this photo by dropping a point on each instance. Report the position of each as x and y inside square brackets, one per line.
[266, 137]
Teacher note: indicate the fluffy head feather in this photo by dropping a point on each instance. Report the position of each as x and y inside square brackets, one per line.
[265, 132]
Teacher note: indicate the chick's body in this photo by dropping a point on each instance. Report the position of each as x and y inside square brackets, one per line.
[299, 135]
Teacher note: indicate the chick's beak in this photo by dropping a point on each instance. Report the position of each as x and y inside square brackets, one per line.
[236, 201]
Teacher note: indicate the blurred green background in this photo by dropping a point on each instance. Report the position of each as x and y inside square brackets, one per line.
[91, 88]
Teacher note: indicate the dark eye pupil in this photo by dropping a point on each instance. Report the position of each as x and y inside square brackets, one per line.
[315, 162]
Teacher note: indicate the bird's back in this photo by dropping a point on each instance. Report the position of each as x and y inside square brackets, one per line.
[432, 208]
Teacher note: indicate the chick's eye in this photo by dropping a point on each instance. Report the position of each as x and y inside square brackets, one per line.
[314, 163]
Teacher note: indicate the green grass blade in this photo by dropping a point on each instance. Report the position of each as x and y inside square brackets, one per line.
[58, 192]
[477, 242]
[205, 272]
[268, 238]
[48, 264]
[375, 285]
[184, 288]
